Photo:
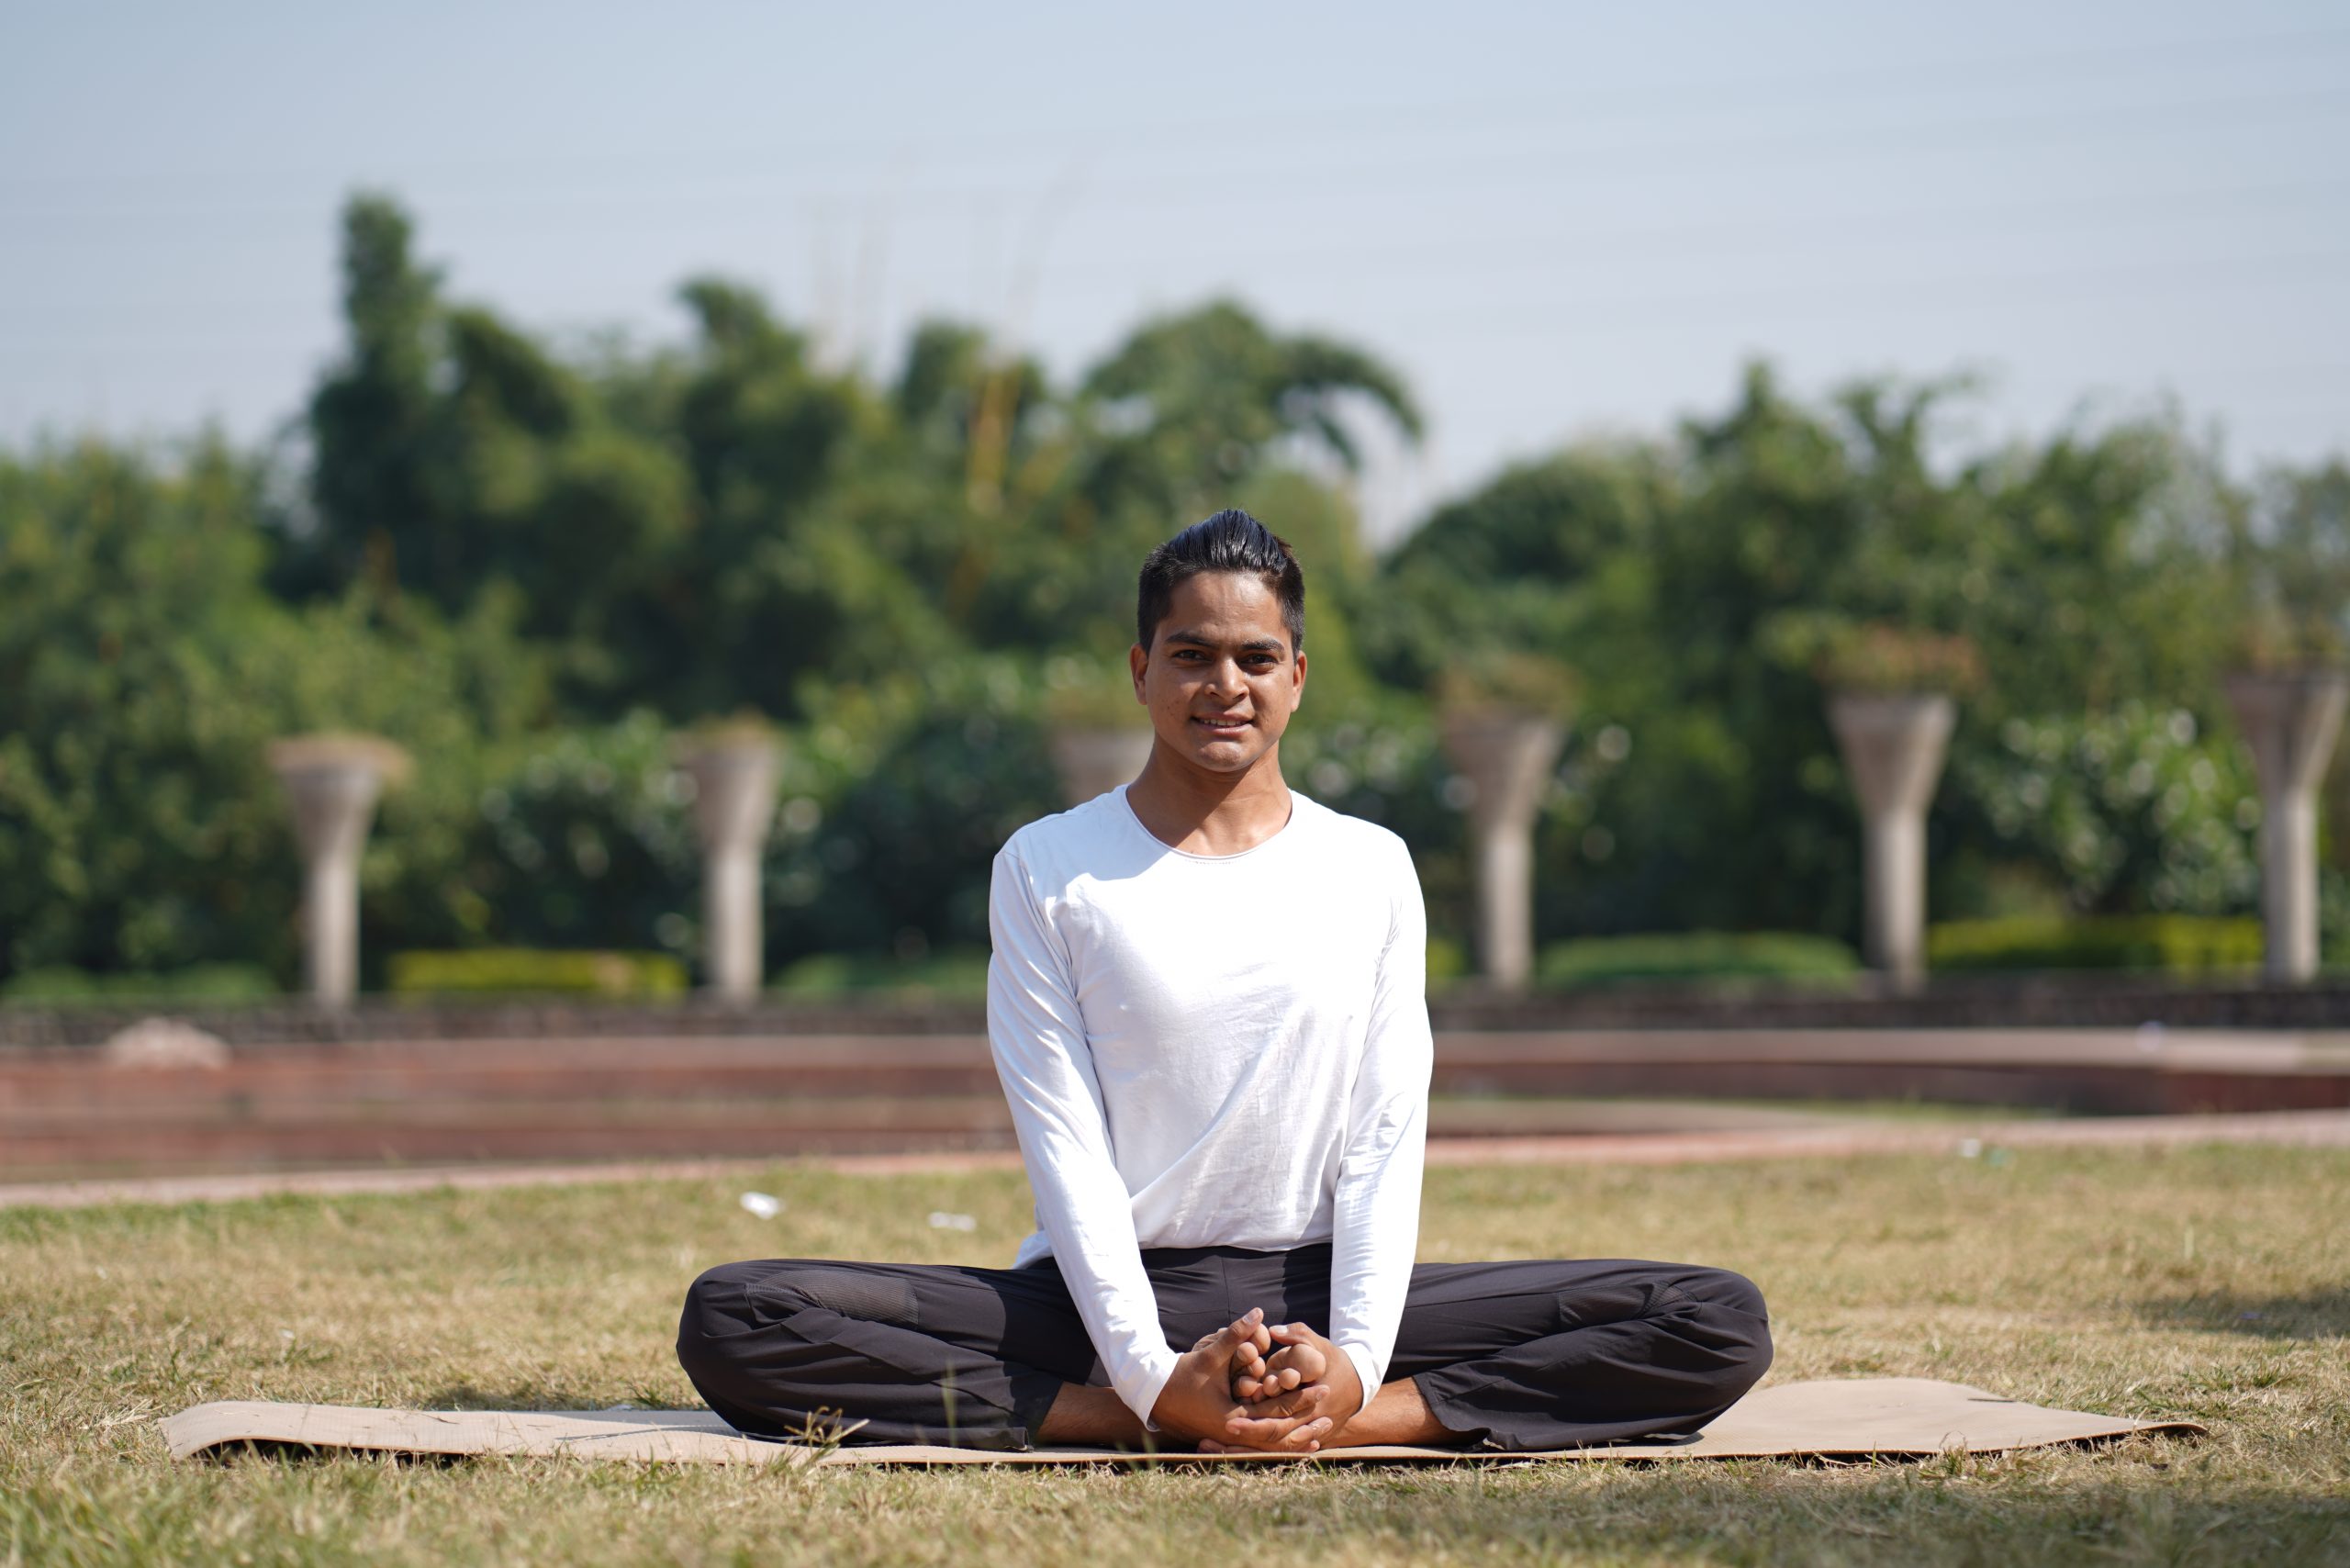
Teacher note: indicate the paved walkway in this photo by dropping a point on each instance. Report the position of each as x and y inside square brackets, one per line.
[2303, 1129]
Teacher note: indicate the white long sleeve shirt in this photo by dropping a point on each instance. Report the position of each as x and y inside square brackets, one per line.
[1208, 1050]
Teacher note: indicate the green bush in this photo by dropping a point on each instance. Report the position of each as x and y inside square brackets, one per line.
[2139, 809]
[2178, 943]
[960, 975]
[524, 971]
[1693, 956]
[198, 982]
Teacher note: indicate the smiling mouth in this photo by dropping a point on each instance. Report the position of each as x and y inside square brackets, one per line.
[1222, 725]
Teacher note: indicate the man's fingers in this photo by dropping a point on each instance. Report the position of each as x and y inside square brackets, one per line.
[1290, 1435]
[1240, 1336]
[1303, 1402]
[1251, 1379]
[1308, 1438]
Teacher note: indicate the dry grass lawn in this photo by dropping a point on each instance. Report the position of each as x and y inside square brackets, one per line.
[2210, 1283]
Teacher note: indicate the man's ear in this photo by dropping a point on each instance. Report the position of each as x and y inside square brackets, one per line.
[1297, 681]
[1138, 660]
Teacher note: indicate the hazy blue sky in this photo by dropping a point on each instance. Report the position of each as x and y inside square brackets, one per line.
[1553, 219]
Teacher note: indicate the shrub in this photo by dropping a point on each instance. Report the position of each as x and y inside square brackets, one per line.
[524, 971]
[2136, 809]
[2178, 943]
[197, 982]
[951, 974]
[1693, 956]
[1448, 962]
[1879, 658]
[1505, 681]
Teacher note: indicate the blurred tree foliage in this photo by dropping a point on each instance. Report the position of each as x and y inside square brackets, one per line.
[1690, 579]
[530, 562]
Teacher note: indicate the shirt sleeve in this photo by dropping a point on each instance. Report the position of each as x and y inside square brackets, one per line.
[1036, 1033]
[1376, 1220]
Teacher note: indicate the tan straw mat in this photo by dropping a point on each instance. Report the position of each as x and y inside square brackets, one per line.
[1896, 1417]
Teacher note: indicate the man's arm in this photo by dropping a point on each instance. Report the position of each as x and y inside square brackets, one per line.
[1376, 1221]
[1037, 1035]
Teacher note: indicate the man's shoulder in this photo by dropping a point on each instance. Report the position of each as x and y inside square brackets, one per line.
[1070, 839]
[1101, 838]
[1356, 837]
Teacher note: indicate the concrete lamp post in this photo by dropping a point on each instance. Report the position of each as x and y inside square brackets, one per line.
[332, 782]
[1506, 756]
[1090, 759]
[1893, 745]
[734, 776]
[2289, 719]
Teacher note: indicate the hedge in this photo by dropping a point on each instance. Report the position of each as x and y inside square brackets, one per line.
[1692, 955]
[961, 974]
[2176, 944]
[197, 982]
[524, 971]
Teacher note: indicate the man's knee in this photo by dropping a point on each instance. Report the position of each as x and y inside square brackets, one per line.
[733, 1310]
[716, 1313]
[1738, 1320]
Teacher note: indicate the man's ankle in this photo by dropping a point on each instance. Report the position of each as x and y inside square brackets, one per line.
[1397, 1415]
[1082, 1416]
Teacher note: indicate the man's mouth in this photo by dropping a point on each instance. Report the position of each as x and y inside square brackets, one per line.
[1222, 724]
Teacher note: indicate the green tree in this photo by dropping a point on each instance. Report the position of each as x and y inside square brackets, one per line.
[143, 670]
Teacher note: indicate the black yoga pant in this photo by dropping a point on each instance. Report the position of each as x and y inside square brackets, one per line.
[1514, 1356]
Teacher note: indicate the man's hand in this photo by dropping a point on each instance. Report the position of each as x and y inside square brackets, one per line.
[1198, 1402]
[1307, 1374]
[1260, 1376]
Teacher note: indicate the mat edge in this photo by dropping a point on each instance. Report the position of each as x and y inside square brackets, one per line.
[183, 1444]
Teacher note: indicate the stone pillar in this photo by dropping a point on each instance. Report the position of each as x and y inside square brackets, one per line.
[1507, 758]
[734, 786]
[2289, 720]
[1093, 760]
[332, 782]
[1893, 748]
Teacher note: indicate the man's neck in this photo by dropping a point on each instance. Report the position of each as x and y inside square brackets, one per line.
[1202, 812]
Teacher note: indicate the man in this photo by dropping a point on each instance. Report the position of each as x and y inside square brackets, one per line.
[1207, 1009]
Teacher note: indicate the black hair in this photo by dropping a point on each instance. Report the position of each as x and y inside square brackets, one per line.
[1231, 541]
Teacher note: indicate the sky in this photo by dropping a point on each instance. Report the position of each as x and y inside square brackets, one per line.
[1557, 221]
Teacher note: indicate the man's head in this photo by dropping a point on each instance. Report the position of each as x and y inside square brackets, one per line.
[1231, 541]
[1219, 657]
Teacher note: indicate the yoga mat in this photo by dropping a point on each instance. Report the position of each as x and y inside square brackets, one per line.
[1902, 1417]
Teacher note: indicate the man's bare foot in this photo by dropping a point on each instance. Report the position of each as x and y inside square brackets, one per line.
[1285, 1395]
[1267, 1377]
[1098, 1416]
[1249, 1350]
[1196, 1401]
[1396, 1415]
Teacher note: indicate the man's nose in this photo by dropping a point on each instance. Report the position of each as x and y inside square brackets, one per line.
[1225, 675]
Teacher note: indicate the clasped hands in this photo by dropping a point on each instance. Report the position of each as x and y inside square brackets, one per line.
[1277, 1388]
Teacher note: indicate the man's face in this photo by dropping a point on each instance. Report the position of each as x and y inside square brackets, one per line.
[1220, 678]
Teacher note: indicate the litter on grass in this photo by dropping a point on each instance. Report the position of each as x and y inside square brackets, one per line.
[766, 1205]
